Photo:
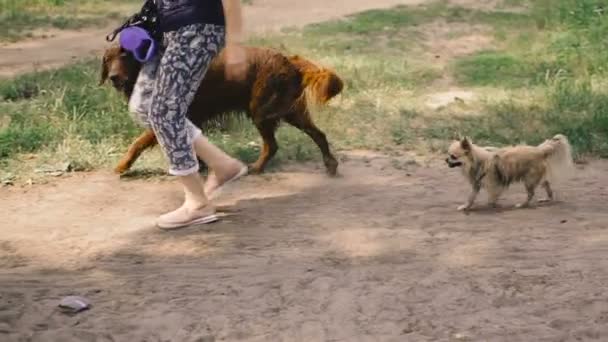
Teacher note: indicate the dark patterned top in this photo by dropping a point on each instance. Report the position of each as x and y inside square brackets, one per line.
[174, 14]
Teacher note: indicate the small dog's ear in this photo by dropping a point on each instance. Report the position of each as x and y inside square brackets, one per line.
[465, 143]
[104, 71]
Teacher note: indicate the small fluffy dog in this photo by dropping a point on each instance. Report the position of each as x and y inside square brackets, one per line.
[494, 169]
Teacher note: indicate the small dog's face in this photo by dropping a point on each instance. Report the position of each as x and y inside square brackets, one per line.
[119, 66]
[459, 153]
[559, 139]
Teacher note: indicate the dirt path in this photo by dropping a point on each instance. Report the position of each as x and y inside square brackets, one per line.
[263, 15]
[379, 254]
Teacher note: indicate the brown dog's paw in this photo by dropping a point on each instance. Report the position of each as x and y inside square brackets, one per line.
[121, 168]
[332, 167]
[254, 169]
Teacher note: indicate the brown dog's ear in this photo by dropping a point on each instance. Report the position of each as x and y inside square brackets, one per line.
[465, 143]
[104, 71]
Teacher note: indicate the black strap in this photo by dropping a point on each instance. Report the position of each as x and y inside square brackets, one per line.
[147, 18]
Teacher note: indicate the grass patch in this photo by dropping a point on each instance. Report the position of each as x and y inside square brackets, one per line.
[60, 104]
[18, 18]
[400, 17]
[565, 58]
[393, 31]
[501, 69]
[565, 37]
[573, 109]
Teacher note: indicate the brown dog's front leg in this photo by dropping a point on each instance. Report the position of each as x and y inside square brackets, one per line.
[144, 141]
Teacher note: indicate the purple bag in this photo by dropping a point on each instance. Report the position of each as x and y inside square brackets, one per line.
[139, 42]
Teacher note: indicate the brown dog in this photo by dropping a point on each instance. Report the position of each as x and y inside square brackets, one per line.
[273, 90]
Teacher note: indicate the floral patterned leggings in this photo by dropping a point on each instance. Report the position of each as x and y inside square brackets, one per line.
[166, 87]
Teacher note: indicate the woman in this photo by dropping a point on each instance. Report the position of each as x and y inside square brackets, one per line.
[194, 31]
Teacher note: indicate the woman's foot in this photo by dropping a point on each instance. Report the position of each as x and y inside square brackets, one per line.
[196, 208]
[187, 215]
[216, 180]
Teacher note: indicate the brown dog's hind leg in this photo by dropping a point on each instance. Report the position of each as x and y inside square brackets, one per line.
[144, 141]
[270, 147]
[302, 121]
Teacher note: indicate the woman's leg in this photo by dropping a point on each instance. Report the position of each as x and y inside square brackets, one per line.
[187, 56]
[222, 167]
[141, 97]
[140, 105]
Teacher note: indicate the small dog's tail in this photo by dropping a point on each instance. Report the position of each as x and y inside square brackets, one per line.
[322, 84]
[558, 154]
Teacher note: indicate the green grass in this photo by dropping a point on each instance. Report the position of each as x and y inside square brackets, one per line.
[566, 37]
[573, 109]
[59, 104]
[18, 18]
[542, 74]
[493, 68]
[563, 59]
[394, 32]
[396, 19]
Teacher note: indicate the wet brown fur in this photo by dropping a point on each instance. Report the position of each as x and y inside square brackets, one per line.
[271, 91]
[495, 169]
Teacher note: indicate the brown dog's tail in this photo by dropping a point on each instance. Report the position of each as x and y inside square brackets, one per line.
[322, 84]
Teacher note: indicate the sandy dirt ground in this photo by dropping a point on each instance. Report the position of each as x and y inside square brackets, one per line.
[261, 16]
[378, 254]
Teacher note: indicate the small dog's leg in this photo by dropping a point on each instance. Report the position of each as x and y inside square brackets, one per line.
[549, 191]
[530, 189]
[470, 200]
[493, 195]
